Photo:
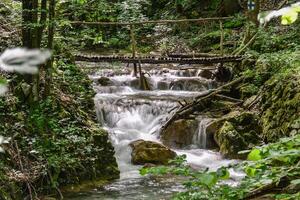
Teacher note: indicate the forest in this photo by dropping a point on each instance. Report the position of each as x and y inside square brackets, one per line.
[149, 99]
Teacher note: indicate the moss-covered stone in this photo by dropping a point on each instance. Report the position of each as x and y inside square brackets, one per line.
[235, 132]
[145, 152]
[281, 106]
[180, 133]
[59, 139]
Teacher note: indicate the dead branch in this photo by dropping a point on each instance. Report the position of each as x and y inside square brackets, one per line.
[199, 103]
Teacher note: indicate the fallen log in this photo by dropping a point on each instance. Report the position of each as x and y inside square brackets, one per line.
[199, 103]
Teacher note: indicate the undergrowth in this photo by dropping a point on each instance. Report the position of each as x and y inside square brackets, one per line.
[54, 142]
[272, 170]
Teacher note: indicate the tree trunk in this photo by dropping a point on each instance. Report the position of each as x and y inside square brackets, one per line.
[42, 23]
[25, 23]
[51, 29]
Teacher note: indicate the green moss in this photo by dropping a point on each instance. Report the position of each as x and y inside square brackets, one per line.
[59, 136]
[281, 105]
[236, 132]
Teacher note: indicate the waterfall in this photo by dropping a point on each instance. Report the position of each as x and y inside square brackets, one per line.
[200, 137]
[130, 114]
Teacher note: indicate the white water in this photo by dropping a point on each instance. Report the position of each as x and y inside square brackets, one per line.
[130, 114]
[200, 137]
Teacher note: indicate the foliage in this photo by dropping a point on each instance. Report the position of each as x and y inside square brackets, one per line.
[58, 135]
[273, 165]
[288, 14]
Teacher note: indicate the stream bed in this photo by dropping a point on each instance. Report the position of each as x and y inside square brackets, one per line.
[130, 114]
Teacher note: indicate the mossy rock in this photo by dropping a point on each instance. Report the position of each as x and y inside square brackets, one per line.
[235, 132]
[281, 106]
[104, 81]
[180, 133]
[148, 152]
[231, 141]
[102, 166]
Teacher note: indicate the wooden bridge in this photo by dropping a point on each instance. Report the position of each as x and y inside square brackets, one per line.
[200, 58]
[159, 60]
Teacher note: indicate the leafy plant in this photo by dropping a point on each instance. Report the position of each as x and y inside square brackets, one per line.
[267, 167]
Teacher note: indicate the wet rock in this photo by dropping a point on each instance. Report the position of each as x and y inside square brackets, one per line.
[183, 73]
[235, 132]
[180, 133]
[223, 74]
[144, 152]
[190, 84]
[205, 73]
[135, 83]
[104, 81]
[163, 85]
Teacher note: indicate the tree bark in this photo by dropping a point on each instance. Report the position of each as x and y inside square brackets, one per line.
[42, 23]
[49, 66]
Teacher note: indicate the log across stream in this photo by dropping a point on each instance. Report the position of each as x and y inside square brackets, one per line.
[130, 114]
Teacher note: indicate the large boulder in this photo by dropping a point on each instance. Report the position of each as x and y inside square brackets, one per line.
[235, 132]
[180, 133]
[145, 152]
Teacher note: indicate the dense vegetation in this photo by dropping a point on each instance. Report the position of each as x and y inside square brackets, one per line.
[54, 139]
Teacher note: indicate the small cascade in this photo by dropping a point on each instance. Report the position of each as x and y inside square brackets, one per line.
[130, 114]
[200, 137]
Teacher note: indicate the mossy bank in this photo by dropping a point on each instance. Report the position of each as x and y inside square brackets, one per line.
[54, 142]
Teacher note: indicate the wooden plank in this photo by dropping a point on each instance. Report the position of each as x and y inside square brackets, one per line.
[158, 60]
[195, 55]
[153, 22]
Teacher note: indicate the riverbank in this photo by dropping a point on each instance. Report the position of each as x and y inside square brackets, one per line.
[55, 142]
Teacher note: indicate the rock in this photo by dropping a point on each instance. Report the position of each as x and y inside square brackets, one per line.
[222, 74]
[180, 133]
[235, 132]
[280, 105]
[163, 85]
[145, 152]
[135, 83]
[190, 84]
[104, 81]
[205, 73]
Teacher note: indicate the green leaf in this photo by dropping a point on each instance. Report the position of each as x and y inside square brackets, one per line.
[223, 173]
[289, 17]
[3, 81]
[250, 171]
[143, 171]
[254, 155]
[208, 179]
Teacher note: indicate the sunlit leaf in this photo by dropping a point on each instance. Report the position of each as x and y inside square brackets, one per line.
[254, 155]
[223, 173]
[208, 179]
[143, 171]
[289, 17]
[250, 171]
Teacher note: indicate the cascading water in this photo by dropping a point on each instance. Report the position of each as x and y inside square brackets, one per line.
[200, 137]
[130, 114]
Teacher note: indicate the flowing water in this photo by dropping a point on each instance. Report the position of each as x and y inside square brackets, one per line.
[130, 114]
